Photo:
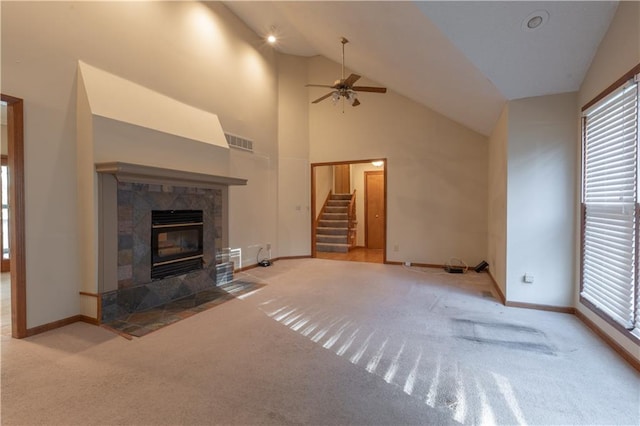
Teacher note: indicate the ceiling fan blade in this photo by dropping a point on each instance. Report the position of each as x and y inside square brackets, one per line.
[356, 103]
[322, 98]
[351, 79]
[319, 85]
[369, 89]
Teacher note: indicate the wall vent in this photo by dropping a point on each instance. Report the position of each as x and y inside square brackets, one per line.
[239, 143]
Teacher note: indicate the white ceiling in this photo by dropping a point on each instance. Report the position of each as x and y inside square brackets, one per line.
[462, 59]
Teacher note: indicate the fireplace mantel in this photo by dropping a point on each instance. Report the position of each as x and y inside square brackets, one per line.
[138, 173]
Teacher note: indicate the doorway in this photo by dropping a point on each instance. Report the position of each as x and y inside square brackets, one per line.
[16, 229]
[4, 199]
[365, 182]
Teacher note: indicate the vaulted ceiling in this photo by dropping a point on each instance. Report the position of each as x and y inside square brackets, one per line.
[462, 59]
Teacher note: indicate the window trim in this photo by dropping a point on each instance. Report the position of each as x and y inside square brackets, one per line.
[633, 335]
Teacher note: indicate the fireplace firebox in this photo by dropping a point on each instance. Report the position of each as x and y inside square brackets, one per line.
[176, 242]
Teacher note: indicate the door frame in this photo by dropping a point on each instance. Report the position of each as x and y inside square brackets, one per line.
[313, 199]
[15, 134]
[366, 207]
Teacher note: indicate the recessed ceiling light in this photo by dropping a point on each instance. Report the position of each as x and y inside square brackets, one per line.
[535, 20]
[272, 35]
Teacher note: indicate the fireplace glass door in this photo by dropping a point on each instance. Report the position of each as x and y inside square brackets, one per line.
[176, 242]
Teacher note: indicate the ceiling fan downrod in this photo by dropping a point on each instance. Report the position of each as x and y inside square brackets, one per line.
[344, 41]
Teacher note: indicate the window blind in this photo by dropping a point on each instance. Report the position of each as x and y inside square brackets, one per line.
[610, 195]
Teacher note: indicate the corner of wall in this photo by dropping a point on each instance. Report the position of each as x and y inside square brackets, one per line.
[86, 181]
[542, 139]
[497, 205]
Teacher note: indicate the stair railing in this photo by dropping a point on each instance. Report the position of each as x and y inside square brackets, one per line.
[352, 221]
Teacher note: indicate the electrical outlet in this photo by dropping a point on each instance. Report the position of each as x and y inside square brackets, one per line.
[407, 263]
[268, 246]
[396, 247]
[527, 278]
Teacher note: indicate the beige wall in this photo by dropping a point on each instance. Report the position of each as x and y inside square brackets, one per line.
[294, 180]
[190, 51]
[324, 185]
[618, 53]
[497, 214]
[437, 169]
[541, 209]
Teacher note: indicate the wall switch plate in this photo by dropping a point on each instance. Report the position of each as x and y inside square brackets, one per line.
[396, 247]
[527, 278]
[268, 246]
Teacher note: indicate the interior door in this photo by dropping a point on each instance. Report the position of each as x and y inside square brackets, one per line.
[342, 179]
[374, 209]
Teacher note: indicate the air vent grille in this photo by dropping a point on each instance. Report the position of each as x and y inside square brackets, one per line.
[239, 143]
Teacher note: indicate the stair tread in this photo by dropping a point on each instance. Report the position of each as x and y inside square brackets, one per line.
[332, 230]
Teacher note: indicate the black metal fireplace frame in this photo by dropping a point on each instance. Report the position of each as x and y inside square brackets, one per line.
[166, 221]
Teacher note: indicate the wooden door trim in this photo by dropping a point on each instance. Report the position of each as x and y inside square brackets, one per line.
[15, 131]
[366, 207]
[313, 211]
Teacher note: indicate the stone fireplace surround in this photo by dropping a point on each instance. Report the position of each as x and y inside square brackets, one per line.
[127, 195]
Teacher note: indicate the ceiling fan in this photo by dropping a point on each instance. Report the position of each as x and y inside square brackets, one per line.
[344, 88]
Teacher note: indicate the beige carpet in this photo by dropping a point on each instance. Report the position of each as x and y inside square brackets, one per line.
[329, 342]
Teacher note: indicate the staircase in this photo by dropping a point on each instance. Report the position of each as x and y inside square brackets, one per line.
[335, 228]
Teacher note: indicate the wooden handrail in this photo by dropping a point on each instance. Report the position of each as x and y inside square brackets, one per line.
[351, 215]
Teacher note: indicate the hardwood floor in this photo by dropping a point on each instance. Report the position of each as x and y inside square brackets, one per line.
[359, 254]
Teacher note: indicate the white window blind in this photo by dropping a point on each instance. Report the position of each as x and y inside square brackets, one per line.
[610, 196]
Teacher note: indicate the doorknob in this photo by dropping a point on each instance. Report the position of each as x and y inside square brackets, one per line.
[377, 216]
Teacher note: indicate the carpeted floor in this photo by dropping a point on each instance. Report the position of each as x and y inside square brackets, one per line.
[329, 342]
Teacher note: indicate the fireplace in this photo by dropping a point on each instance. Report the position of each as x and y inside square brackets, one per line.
[162, 236]
[176, 242]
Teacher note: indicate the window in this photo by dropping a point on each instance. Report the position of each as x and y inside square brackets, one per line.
[610, 212]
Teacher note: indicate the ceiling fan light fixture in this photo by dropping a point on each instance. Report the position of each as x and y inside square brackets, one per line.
[272, 38]
[344, 87]
[351, 96]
